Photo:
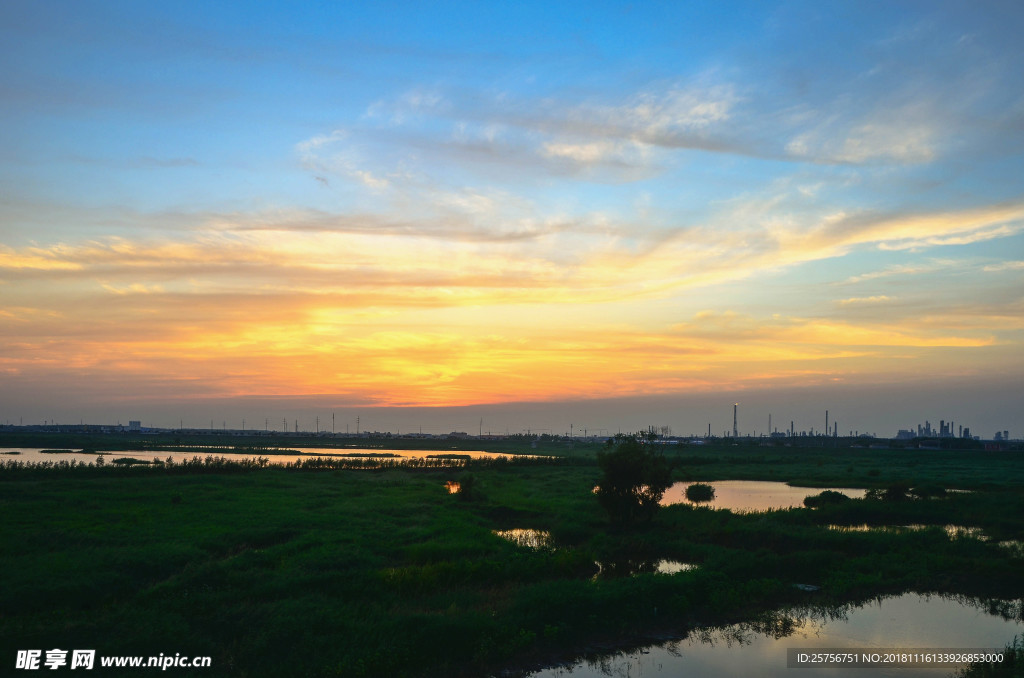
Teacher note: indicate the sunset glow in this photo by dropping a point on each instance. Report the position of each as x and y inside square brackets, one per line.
[527, 205]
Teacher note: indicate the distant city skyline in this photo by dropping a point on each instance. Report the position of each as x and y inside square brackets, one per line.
[542, 214]
[897, 407]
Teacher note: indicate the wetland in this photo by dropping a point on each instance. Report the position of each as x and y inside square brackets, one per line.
[385, 571]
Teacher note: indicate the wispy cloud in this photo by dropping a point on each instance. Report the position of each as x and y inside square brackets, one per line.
[1004, 266]
[586, 258]
[875, 299]
[617, 140]
[907, 136]
[916, 230]
[905, 269]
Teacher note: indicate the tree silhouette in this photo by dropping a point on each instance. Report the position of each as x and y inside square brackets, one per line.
[633, 480]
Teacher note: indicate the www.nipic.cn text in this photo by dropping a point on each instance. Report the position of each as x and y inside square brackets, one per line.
[30, 660]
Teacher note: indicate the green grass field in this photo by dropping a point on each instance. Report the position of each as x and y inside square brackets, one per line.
[275, 572]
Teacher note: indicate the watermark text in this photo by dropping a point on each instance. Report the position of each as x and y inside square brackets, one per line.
[32, 660]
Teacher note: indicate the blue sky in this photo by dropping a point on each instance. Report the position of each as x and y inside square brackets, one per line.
[734, 198]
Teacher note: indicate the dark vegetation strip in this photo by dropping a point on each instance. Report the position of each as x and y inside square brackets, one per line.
[12, 468]
[1012, 665]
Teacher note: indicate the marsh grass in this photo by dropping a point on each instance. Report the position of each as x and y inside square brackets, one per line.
[357, 567]
[1012, 665]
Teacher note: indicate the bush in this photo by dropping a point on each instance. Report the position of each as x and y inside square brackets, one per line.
[467, 486]
[633, 480]
[925, 491]
[826, 498]
[897, 492]
[699, 492]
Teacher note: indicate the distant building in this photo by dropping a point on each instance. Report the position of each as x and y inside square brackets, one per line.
[134, 425]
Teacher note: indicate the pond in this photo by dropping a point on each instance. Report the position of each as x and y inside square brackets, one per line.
[35, 455]
[907, 621]
[630, 568]
[753, 495]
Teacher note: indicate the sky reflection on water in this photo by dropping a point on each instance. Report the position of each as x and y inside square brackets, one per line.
[752, 495]
[906, 621]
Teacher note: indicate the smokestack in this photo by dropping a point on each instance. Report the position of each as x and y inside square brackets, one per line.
[826, 422]
[735, 432]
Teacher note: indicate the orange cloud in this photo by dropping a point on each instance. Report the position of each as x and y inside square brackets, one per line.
[407, 318]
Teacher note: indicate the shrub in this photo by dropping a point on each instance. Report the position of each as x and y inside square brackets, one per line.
[467, 486]
[897, 492]
[633, 480]
[828, 497]
[699, 492]
[925, 491]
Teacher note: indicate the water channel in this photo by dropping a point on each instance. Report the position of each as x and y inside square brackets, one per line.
[36, 455]
[753, 495]
[909, 621]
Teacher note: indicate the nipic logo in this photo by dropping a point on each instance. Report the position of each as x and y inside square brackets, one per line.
[55, 658]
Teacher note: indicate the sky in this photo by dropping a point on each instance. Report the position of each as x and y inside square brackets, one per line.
[542, 215]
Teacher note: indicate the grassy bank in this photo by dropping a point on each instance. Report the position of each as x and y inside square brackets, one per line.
[323, 572]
